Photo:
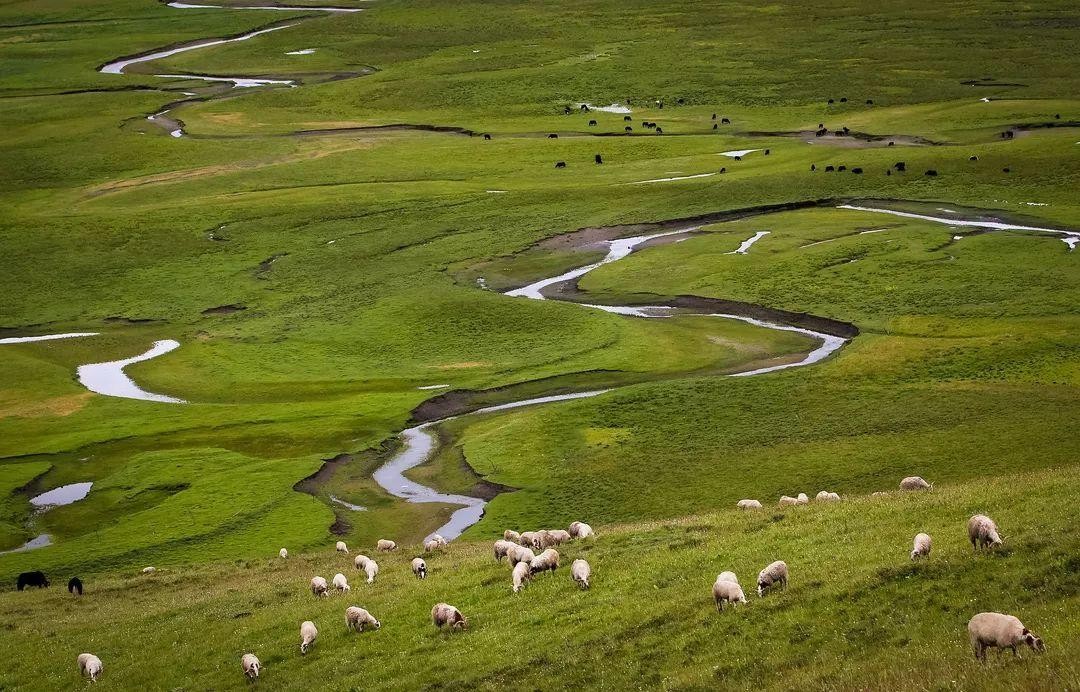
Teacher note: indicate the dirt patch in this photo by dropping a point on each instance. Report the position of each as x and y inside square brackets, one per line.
[225, 309]
[463, 365]
[58, 406]
[119, 319]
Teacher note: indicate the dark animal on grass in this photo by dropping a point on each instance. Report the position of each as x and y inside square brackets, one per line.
[820, 125]
[831, 101]
[553, 136]
[723, 170]
[1057, 116]
[846, 130]
[32, 579]
[487, 137]
[900, 166]
[829, 169]
[585, 107]
[931, 172]
[841, 168]
[725, 121]
[714, 116]
[813, 167]
[679, 101]
[560, 164]
[843, 100]
[1004, 170]
[567, 111]
[821, 133]
[869, 102]
[75, 586]
[973, 158]
[659, 104]
[856, 171]
[628, 129]
[598, 158]
[888, 171]
[626, 118]
[738, 158]
[659, 130]
[766, 152]
[892, 144]
[714, 126]
[591, 123]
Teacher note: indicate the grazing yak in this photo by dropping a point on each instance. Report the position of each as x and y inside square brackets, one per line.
[560, 164]
[598, 158]
[75, 586]
[35, 578]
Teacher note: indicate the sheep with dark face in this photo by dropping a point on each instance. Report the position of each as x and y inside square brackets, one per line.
[250, 664]
[1000, 631]
[356, 619]
[775, 573]
[419, 568]
[443, 614]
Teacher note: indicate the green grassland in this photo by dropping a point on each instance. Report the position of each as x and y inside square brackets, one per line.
[357, 254]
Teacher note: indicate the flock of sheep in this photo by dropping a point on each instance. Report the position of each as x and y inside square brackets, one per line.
[533, 552]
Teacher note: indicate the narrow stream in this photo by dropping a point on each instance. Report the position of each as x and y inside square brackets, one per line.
[109, 378]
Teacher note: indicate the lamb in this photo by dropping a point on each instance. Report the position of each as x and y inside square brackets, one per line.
[419, 567]
[501, 548]
[749, 504]
[341, 547]
[983, 532]
[318, 586]
[921, 546]
[519, 553]
[512, 536]
[357, 618]
[580, 571]
[545, 561]
[727, 591]
[786, 501]
[89, 665]
[360, 561]
[445, 614]
[341, 583]
[308, 635]
[775, 573]
[802, 499]
[826, 496]
[283, 554]
[521, 575]
[1002, 632]
[915, 483]
[371, 569]
[250, 664]
[385, 546]
[580, 529]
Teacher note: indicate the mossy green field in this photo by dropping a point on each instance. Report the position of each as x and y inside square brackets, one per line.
[324, 252]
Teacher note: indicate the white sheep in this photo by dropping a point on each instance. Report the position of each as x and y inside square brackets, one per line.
[341, 583]
[445, 614]
[250, 664]
[149, 570]
[547, 561]
[983, 532]
[915, 483]
[1002, 632]
[284, 554]
[775, 573]
[727, 576]
[419, 567]
[385, 546]
[308, 635]
[512, 536]
[787, 501]
[371, 569]
[521, 574]
[802, 499]
[826, 496]
[431, 546]
[580, 529]
[557, 537]
[727, 591]
[501, 547]
[89, 665]
[921, 546]
[580, 571]
[318, 586]
[749, 504]
[360, 560]
[357, 618]
[519, 553]
[341, 547]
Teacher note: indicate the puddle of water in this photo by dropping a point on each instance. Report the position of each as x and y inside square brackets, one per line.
[34, 543]
[109, 378]
[667, 180]
[613, 108]
[744, 247]
[177, 133]
[44, 337]
[1071, 241]
[64, 495]
[433, 386]
[737, 152]
[349, 505]
[302, 51]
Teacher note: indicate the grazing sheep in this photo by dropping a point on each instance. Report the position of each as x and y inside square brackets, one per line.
[921, 546]
[385, 546]
[249, 663]
[749, 504]
[541, 539]
[727, 576]
[545, 561]
[826, 496]
[308, 635]
[726, 591]
[521, 574]
[512, 536]
[983, 532]
[360, 560]
[786, 501]
[318, 586]
[802, 499]
[357, 618]
[419, 567]
[371, 569]
[75, 586]
[341, 547]
[445, 614]
[556, 537]
[341, 583]
[519, 553]
[149, 570]
[580, 529]
[283, 554]
[431, 546]
[775, 573]
[89, 665]
[501, 548]
[439, 540]
[527, 537]
[915, 483]
[1002, 632]
[580, 572]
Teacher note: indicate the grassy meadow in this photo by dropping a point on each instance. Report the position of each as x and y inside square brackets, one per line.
[318, 270]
